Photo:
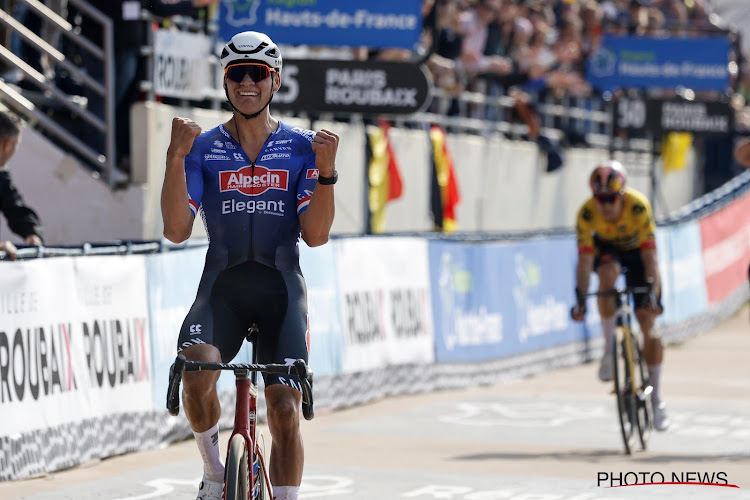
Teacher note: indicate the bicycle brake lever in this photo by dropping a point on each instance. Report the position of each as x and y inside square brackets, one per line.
[305, 375]
[173, 391]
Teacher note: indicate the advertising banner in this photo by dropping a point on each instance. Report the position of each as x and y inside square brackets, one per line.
[649, 62]
[725, 236]
[385, 302]
[326, 333]
[181, 64]
[173, 279]
[74, 341]
[370, 87]
[681, 266]
[672, 115]
[494, 300]
[386, 23]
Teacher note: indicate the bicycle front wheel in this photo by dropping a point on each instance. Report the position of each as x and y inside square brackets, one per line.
[645, 412]
[237, 482]
[626, 400]
[260, 487]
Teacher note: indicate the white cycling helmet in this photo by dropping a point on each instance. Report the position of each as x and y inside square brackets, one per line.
[251, 47]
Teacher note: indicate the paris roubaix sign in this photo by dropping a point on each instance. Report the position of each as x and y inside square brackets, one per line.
[368, 87]
[674, 115]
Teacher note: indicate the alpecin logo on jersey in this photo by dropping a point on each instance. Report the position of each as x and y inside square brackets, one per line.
[312, 173]
[252, 183]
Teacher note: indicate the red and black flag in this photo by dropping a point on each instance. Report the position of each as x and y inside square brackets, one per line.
[444, 195]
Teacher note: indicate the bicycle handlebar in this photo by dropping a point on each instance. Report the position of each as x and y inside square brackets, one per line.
[621, 291]
[648, 290]
[181, 365]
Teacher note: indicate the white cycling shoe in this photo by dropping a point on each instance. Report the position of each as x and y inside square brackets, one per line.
[606, 368]
[210, 490]
[661, 420]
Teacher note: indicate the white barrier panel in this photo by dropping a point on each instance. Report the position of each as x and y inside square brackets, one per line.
[74, 341]
[74, 347]
[411, 212]
[386, 309]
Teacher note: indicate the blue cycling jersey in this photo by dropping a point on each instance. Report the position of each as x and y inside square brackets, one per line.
[251, 210]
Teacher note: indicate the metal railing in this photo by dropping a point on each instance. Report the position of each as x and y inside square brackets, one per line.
[32, 104]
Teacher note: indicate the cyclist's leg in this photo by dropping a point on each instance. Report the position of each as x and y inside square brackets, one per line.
[197, 342]
[283, 394]
[607, 266]
[653, 349]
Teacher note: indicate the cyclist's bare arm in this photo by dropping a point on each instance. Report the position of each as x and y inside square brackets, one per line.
[175, 211]
[651, 268]
[583, 274]
[316, 221]
[583, 270]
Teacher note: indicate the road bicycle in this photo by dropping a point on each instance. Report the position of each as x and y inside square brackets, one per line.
[631, 381]
[246, 475]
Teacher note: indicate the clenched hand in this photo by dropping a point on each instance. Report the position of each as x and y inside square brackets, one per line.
[325, 144]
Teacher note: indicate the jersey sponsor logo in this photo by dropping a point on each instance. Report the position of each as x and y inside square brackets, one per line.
[238, 156]
[587, 215]
[252, 183]
[282, 141]
[275, 156]
[312, 173]
[189, 343]
[307, 134]
[280, 148]
[215, 157]
[229, 145]
[268, 207]
[214, 150]
[218, 144]
[303, 200]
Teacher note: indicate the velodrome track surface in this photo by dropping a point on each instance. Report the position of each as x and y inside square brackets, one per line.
[549, 437]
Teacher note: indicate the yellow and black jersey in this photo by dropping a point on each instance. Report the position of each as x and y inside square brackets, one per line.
[635, 228]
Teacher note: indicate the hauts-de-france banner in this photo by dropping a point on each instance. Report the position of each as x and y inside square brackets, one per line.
[648, 62]
[386, 23]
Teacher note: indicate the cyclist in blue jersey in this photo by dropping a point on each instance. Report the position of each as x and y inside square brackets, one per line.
[258, 184]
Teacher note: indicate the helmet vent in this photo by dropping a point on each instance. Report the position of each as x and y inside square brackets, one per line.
[251, 51]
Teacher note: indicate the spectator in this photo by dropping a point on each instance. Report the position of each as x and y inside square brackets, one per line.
[9, 249]
[22, 220]
[476, 24]
[591, 31]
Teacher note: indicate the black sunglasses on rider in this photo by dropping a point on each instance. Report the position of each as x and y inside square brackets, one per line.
[258, 72]
[605, 199]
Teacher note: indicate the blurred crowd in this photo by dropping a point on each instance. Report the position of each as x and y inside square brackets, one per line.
[496, 47]
[541, 45]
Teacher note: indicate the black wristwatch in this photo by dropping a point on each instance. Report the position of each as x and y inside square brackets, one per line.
[327, 181]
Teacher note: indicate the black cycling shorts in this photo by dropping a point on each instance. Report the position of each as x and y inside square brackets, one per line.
[230, 301]
[631, 263]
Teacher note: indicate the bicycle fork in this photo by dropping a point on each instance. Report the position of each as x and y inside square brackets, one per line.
[245, 417]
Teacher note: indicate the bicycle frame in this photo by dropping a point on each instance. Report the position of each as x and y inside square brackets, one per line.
[624, 322]
[633, 401]
[245, 416]
[245, 420]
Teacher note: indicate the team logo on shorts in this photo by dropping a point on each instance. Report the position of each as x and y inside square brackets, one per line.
[252, 183]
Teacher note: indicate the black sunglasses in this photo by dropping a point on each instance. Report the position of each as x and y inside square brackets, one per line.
[606, 198]
[257, 72]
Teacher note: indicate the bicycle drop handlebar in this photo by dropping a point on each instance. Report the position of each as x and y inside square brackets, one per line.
[622, 291]
[181, 365]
